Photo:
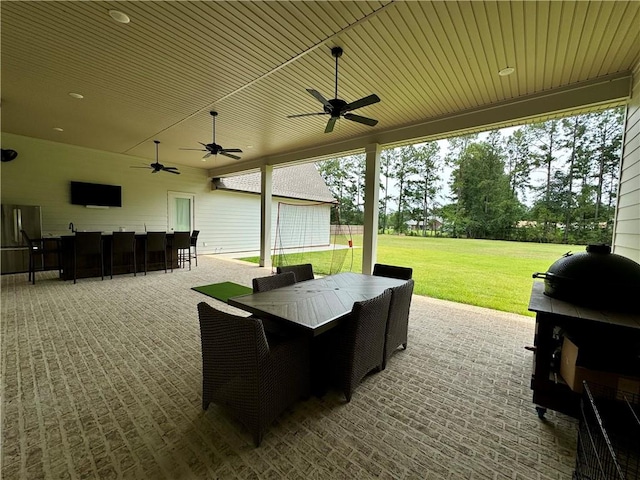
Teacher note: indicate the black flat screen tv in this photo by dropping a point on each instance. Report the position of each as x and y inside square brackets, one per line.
[97, 194]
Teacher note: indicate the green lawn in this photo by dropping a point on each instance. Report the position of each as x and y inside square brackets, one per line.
[488, 273]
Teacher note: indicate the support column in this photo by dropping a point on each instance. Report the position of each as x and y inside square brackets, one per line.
[371, 207]
[266, 176]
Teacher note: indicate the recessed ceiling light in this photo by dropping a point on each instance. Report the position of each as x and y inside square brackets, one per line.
[506, 71]
[119, 16]
[249, 146]
[76, 95]
[58, 129]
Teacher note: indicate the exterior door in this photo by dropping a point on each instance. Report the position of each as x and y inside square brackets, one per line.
[181, 212]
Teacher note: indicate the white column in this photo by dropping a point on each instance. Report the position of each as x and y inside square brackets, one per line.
[371, 196]
[266, 175]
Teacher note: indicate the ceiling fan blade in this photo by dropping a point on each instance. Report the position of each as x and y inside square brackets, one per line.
[318, 96]
[363, 102]
[330, 124]
[357, 118]
[207, 155]
[229, 155]
[230, 150]
[306, 114]
[170, 168]
[172, 171]
[139, 167]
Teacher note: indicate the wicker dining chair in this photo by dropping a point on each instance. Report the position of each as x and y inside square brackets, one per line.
[256, 376]
[302, 272]
[356, 347]
[398, 320]
[392, 271]
[264, 284]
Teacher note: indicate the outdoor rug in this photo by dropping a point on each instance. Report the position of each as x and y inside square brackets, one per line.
[223, 291]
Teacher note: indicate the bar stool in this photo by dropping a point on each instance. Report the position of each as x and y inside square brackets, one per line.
[194, 245]
[87, 245]
[39, 248]
[182, 244]
[156, 243]
[124, 243]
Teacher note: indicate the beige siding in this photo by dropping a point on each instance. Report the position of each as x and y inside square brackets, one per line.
[41, 173]
[627, 231]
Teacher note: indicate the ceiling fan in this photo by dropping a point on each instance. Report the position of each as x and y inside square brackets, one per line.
[156, 167]
[213, 148]
[336, 107]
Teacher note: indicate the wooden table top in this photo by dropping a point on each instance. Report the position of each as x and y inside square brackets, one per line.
[316, 305]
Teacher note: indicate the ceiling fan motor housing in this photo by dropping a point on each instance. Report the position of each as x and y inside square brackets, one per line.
[337, 106]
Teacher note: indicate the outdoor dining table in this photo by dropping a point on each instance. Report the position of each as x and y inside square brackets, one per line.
[315, 305]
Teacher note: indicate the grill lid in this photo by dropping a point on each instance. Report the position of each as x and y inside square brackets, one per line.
[595, 278]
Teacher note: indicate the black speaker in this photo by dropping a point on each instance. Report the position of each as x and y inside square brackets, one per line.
[7, 155]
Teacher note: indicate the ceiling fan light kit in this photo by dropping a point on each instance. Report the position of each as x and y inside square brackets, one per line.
[337, 107]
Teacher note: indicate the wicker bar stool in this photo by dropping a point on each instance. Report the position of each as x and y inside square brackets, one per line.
[124, 243]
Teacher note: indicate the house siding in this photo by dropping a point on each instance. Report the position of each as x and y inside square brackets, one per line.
[626, 240]
[40, 175]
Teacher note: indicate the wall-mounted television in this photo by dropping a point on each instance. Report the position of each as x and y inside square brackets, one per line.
[97, 194]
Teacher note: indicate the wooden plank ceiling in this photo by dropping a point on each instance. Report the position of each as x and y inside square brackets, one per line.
[158, 76]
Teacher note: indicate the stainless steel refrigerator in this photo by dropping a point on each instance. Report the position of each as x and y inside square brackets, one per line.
[13, 249]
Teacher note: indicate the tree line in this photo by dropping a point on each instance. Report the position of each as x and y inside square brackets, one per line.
[553, 181]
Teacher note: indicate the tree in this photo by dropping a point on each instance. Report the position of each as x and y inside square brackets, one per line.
[518, 162]
[403, 167]
[386, 157]
[423, 184]
[457, 147]
[607, 139]
[546, 147]
[484, 194]
[343, 177]
[574, 129]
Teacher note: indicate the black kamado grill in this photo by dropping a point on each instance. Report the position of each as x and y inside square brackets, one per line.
[596, 278]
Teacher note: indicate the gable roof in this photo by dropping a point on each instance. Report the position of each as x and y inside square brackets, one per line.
[302, 181]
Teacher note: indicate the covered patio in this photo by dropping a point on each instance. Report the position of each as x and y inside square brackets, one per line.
[114, 77]
[103, 380]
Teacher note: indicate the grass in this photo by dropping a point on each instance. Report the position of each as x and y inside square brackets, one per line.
[487, 273]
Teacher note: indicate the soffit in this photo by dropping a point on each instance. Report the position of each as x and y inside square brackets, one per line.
[160, 75]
